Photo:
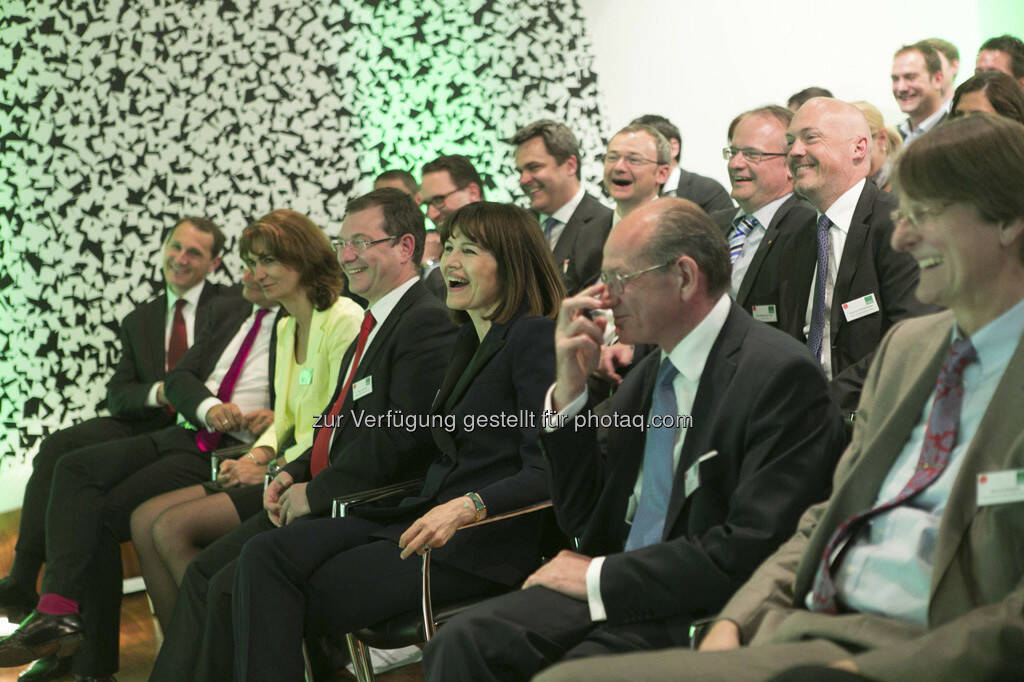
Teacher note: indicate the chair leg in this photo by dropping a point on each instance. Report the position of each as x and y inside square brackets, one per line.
[360, 655]
[306, 663]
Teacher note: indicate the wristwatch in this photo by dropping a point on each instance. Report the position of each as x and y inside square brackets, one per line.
[481, 508]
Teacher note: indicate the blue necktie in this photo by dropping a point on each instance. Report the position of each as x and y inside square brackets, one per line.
[741, 228]
[549, 225]
[656, 488]
[817, 331]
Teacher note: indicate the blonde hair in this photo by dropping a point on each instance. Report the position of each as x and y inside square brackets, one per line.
[894, 143]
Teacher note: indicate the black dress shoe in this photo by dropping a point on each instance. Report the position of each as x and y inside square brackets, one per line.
[41, 634]
[46, 668]
[15, 601]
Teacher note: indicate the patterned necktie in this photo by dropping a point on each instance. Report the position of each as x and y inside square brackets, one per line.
[207, 441]
[817, 332]
[939, 439]
[741, 228]
[656, 487]
[322, 436]
[549, 225]
[178, 344]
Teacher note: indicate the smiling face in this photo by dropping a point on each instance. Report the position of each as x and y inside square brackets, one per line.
[633, 184]
[442, 197]
[377, 270]
[828, 150]
[757, 184]
[548, 184]
[917, 92]
[471, 275]
[279, 282]
[188, 257]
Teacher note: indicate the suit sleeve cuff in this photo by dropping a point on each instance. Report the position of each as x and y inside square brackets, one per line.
[594, 601]
[555, 421]
[203, 409]
[151, 400]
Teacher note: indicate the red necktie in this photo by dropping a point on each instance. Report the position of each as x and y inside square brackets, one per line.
[179, 336]
[208, 440]
[322, 436]
[939, 440]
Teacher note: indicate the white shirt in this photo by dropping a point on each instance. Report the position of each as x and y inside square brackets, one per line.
[562, 215]
[887, 569]
[252, 389]
[689, 357]
[189, 313]
[672, 184]
[910, 133]
[840, 213]
[764, 216]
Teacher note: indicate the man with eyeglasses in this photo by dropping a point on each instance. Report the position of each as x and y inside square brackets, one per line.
[858, 286]
[715, 446]
[763, 187]
[448, 183]
[703, 191]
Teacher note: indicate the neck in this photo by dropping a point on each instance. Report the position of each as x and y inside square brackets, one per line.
[626, 207]
[1005, 293]
[179, 291]
[299, 307]
[750, 208]
[688, 321]
[566, 198]
[479, 323]
[916, 119]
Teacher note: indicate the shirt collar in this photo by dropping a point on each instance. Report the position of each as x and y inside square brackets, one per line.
[997, 340]
[766, 214]
[563, 214]
[673, 180]
[840, 213]
[691, 353]
[908, 130]
[382, 308]
[191, 296]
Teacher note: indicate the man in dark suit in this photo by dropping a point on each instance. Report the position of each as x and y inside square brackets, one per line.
[95, 488]
[701, 190]
[763, 187]
[859, 286]
[135, 397]
[398, 374]
[575, 224]
[918, 84]
[695, 478]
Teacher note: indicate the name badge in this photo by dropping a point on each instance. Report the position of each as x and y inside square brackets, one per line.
[860, 307]
[362, 387]
[691, 479]
[765, 313]
[1000, 487]
[306, 377]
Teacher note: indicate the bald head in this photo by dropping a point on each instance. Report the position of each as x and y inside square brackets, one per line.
[829, 150]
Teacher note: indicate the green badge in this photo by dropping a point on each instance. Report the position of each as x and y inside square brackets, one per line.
[306, 378]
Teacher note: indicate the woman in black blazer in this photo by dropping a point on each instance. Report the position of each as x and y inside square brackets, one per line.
[336, 575]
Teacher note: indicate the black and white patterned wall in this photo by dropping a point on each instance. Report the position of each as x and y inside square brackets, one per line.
[117, 117]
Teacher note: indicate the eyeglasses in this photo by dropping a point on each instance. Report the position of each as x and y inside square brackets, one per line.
[438, 201]
[634, 160]
[751, 155]
[359, 245]
[916, 214]
[616, 283]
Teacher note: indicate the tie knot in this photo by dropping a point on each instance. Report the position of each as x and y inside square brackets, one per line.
[745, 223]
[179, 305]
[550, 222]
[261, 313]
[824, 223]
[368, 322]
[961, 353]
[667, 372]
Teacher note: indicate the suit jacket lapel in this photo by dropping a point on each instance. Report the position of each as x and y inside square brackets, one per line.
[856, 241]
[583, 214]
[385, 331]
[770, 235]
[491, 344]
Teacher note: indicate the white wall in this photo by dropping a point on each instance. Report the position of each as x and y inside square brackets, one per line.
[701, 63]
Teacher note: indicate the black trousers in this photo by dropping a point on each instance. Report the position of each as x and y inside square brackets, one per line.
[516, 635]
[323, 576]
[95, 490]
[30, 548]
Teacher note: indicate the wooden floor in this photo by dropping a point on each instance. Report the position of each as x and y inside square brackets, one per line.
[139, 641]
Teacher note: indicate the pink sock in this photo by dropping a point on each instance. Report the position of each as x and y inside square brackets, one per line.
[56, 605]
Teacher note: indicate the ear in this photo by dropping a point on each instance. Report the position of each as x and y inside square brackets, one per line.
[571, 164]
[674, 144]
[690, 274]
[1010, 232]
[861, 148]
[474, 191]
[214, 264]
[417, 198]
[406, 245]
[661, 175]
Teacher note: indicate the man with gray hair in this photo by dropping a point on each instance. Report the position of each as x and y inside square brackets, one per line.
[574, 222]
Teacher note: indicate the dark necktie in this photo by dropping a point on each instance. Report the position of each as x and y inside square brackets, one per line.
[207, 441]
[741, 228]
[322, 436]
[178, 344]
[815, 336]
[656, 487]
[549, 225]
[939, 440]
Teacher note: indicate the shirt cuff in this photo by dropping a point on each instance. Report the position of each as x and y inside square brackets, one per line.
[151, 400]
[594, 601]
[556, 420]
[203, 409]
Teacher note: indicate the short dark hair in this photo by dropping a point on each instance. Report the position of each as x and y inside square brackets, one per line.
[1002, 92]
[797, 99]
[663, 126]
[558, 140]
[976, 160]
[401, 215]
[1011, 45]
[404, 177]
[296, 241]
[781, 114]
[460, 169]
[203, 225]
[661, 145]
[927, 52]
[527, 276]
[684, 229]
[945, 47]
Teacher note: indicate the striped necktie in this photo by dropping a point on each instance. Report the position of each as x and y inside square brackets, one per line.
[741, 228]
